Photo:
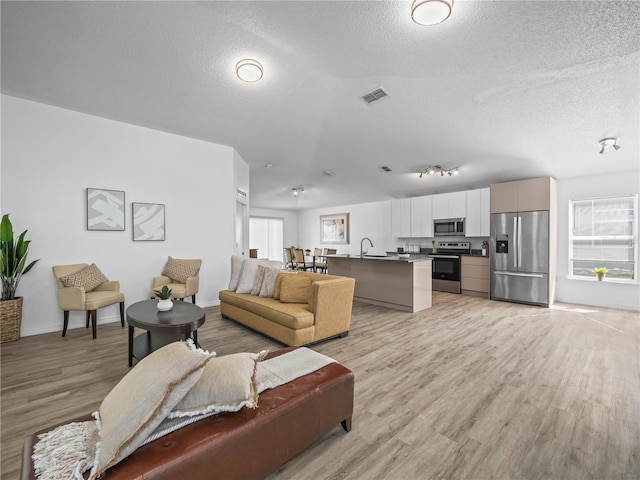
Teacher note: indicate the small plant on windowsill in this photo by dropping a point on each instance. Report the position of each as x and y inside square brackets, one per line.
[600, 272]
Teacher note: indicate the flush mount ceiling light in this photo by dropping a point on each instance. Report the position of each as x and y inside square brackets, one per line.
[249, 70]
[297, 190]
[608, 142]
[431, 12]
[435, 169]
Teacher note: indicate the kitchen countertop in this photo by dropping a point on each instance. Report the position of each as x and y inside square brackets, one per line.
[393, 258]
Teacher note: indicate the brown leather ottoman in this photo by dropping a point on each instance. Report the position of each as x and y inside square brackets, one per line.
[244, 445]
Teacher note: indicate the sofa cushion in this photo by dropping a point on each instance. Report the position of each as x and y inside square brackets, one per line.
[236, 269]
[88, 278]
[291, 315]
[143, 398]
[248, 273]
[227, 384]
[295, 289]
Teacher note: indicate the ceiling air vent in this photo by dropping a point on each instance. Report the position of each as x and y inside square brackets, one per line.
[375, 95]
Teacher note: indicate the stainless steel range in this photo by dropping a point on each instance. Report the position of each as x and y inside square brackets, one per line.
[446, 265]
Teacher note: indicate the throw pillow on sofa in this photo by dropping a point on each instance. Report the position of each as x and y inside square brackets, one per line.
[257, 280]
[249, 270]
[269, 282]
[278, 284]
[295, 289]
[236, 269]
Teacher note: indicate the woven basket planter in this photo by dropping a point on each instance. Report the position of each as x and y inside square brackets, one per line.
[10, 319]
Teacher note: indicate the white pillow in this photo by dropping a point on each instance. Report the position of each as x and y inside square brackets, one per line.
[248, 273]
[236, 268]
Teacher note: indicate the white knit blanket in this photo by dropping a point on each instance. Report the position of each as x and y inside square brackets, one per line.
[66, 451]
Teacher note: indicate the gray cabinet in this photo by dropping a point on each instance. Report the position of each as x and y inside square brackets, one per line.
[522, 196]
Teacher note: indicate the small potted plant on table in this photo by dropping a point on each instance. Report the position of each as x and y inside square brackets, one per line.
[164, 298]
[600, 272]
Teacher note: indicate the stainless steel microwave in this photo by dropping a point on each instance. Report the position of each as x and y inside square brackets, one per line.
[448, 227]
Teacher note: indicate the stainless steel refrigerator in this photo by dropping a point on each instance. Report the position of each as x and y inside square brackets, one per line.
[520, 257]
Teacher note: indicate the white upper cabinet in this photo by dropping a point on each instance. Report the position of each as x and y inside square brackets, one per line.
[457, 205]
[411, 217]
[421, 218]
[449, 205]
[401, 217]
[478, 214]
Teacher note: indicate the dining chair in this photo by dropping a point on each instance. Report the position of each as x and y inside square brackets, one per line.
[299, 261]
[288, 258]
[319, 261]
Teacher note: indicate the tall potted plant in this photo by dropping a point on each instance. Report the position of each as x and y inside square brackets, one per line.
[13, 264]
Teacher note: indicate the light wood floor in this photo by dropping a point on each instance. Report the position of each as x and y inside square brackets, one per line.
[469, 389]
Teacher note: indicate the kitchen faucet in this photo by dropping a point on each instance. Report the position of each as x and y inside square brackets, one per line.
[361, 247]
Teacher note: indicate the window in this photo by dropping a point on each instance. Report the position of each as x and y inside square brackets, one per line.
[604, 233]
[265, 234]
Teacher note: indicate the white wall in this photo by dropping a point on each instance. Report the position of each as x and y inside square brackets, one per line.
[51, 155]
[585, 292]
[371, 220]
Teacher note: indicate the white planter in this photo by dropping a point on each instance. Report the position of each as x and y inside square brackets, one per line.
[164, 305]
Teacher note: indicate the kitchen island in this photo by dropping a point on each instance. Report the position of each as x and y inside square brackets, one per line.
[390, 281]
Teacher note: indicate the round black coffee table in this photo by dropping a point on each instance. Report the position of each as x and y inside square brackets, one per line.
[179, 323]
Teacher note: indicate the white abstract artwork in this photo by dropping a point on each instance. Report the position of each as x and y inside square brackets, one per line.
[148, 221]
[105, 209]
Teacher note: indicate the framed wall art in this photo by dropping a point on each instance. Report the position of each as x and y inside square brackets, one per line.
[105, 209]
[334, 228]
[148, 222]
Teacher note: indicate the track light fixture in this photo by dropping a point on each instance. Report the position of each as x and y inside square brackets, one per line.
[297, 190]
[608, 142]
[434, 169]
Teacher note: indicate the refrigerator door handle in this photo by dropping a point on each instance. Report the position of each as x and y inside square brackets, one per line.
[514, 240]
[519, 242]
[512, 274]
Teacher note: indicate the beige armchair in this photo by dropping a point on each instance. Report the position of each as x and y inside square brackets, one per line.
[182, 276]
[83, 287]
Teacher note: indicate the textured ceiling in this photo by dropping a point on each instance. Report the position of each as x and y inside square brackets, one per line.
[503, 89]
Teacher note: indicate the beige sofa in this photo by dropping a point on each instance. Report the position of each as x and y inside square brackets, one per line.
[326, 314]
